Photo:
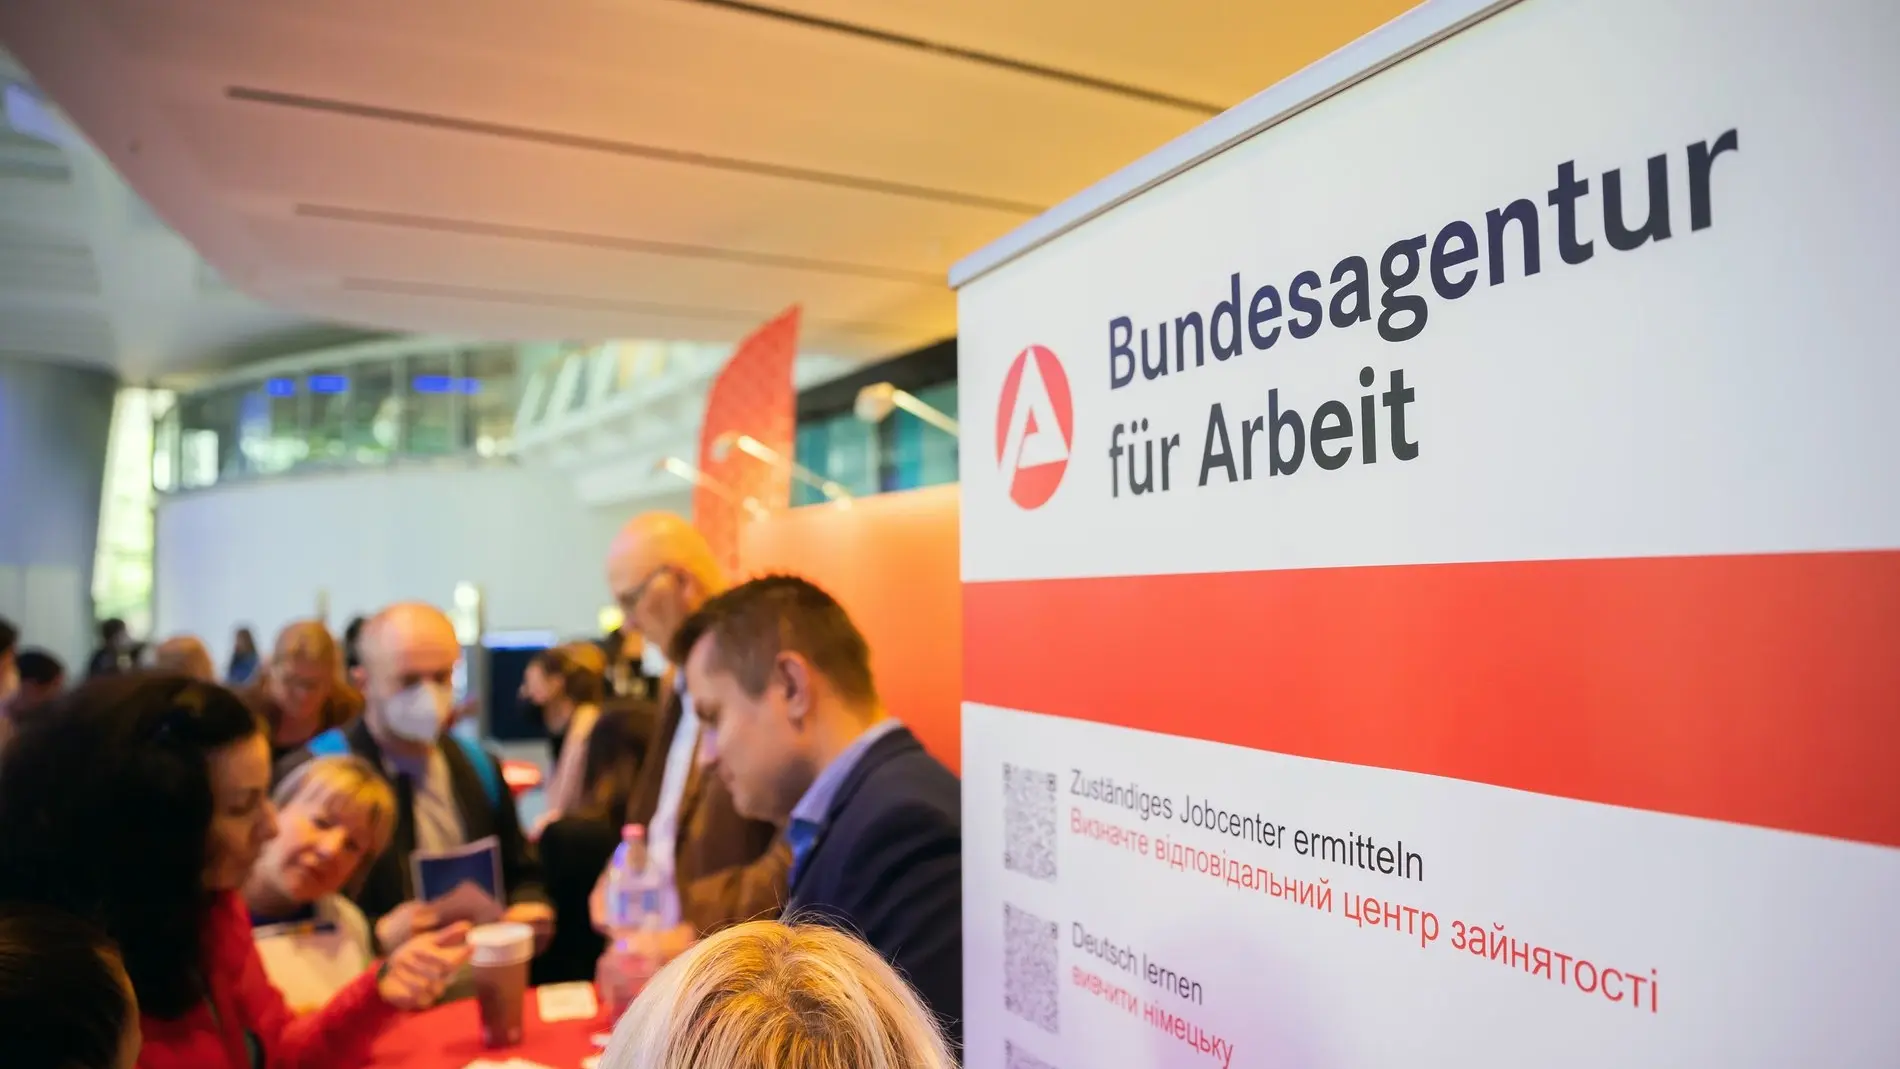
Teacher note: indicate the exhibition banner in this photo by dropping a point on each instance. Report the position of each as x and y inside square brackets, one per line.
[751, 396]
[1432, 568]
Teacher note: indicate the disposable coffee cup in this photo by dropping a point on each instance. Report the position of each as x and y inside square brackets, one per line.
[499, 961]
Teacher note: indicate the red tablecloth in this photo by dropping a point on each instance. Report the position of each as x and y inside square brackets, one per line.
[450, 1036]
[521, 776]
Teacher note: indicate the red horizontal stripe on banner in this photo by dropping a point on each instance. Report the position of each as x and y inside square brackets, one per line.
[1762, 690]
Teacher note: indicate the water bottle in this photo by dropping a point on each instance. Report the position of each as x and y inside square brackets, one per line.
[636, 915]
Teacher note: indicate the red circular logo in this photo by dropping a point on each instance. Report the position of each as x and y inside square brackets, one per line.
[1034, 425]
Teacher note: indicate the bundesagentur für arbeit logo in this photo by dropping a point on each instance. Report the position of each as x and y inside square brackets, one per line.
[1034, 425]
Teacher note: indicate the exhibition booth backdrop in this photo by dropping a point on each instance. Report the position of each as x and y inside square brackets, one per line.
[1432, 563]
[891, 560]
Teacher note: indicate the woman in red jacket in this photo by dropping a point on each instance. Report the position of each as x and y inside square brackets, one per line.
[141, 801]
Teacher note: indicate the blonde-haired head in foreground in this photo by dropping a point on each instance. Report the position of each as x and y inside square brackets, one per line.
[767, 995]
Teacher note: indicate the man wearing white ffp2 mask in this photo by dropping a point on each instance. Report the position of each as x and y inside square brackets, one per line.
[417, 712]
[449, 790]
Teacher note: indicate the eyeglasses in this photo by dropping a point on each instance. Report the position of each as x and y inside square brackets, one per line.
[631, 599]
[304, 686]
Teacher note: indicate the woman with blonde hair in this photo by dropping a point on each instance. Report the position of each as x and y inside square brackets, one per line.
[300, 691]
[767, 995]
[335, 816]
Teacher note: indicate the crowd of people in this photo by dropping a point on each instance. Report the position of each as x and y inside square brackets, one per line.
[177, 828]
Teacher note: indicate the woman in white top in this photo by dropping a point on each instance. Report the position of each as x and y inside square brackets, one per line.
[336, 816]
[565, 685]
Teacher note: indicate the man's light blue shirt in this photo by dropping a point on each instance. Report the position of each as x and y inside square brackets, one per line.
[809, 815]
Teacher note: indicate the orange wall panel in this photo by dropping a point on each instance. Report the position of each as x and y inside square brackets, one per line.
[891, 560]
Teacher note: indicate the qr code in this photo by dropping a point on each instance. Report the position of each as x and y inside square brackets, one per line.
[1029, 967]
[1029, 822]
[1014, 1057]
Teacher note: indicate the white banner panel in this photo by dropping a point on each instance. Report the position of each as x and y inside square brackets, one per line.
[1722, 389]
[1621, 937]
[1470, 502]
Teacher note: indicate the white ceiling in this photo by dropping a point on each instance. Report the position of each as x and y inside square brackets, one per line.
[89, 275]
[619, 168]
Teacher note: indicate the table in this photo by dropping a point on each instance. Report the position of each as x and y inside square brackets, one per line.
[449, 1037]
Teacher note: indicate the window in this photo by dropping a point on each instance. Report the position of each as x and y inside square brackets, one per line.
[208, 431]
[491, 392]
[434, 400]
[328, 395]
[165, 444]
[122, 559]
[355, 413]
[841, 448]
[901, 452]
[269, 432]
[918, 453]
[342, 408]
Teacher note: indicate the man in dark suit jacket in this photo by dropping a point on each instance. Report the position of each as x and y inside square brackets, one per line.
[783, 677]
[449, 791]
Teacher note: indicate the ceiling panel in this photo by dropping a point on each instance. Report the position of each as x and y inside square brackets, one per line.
[672, 75]
[56, 332]
[595, 168]
[262, 158]
[39, 264]
[322, 249]
[496, 314]
[1217, 51]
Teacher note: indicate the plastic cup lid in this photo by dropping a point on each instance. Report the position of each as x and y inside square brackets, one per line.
[501, 944]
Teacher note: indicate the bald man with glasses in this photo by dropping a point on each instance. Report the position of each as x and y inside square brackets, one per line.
[727, 868]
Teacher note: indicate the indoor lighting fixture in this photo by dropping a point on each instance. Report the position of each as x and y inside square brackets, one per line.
[609, 619]
[446, 384]
[466, 613]
[765, 454]
[677, 467]
[876, 402]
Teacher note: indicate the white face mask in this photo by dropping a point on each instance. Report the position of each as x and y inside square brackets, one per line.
[653, 662]
[418, 713]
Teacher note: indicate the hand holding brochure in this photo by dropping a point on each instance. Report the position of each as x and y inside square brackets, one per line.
[463, 883]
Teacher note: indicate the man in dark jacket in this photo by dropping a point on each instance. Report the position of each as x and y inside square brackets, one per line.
[449, 790]
[782, 678]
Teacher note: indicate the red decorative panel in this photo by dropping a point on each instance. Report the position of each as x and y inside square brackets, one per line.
[752, 396]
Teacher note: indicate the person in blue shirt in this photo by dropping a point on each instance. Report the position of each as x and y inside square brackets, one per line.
[243, 664]
[782, 678]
